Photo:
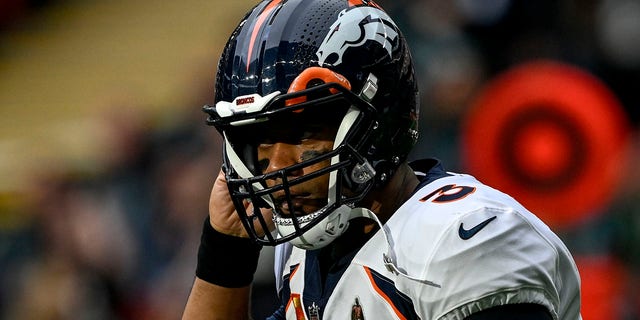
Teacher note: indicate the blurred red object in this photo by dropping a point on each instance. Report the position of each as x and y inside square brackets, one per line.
[603, 287]
[551, 135]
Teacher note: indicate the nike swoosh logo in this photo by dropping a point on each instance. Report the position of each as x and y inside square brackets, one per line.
[466, 234]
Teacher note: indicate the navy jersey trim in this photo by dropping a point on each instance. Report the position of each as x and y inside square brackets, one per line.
[399, 302]
[317, 290]
[432, 170]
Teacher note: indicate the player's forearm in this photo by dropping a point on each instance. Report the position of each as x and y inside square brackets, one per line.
[209, 301]
[224, 273]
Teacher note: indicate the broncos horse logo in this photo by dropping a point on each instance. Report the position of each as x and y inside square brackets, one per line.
[353, 28]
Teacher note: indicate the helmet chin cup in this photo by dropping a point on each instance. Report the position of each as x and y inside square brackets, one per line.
[320, 235]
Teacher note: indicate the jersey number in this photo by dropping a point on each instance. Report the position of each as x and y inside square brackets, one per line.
[448, 193]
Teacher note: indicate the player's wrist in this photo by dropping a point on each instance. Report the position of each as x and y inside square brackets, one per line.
[226, 260]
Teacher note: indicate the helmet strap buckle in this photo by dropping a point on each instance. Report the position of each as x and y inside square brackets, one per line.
[370, 88]
[363, 172]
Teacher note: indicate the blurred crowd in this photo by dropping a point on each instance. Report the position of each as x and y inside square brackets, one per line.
[119, 241]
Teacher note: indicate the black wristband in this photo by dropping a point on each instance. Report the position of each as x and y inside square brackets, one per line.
[226, 260]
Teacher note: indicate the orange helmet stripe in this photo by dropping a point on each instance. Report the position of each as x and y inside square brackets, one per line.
[259, 22]
[353, 3]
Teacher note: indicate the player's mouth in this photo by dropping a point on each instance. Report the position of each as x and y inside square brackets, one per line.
[299, 205]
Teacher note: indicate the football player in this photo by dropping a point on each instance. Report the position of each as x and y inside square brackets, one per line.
[318, 107]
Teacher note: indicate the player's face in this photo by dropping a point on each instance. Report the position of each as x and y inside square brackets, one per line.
[277, 154]
[286, 144]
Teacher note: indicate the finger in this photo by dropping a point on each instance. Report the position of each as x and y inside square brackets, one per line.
[222, 212]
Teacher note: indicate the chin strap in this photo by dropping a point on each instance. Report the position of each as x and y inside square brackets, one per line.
[388, 258]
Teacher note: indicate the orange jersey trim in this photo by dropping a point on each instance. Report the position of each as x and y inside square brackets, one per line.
[295, 299]
[292, 296]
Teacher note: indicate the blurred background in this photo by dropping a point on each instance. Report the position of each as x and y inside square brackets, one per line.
[106, 163]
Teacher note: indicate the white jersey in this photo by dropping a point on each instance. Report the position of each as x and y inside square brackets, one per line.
[454, 248]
